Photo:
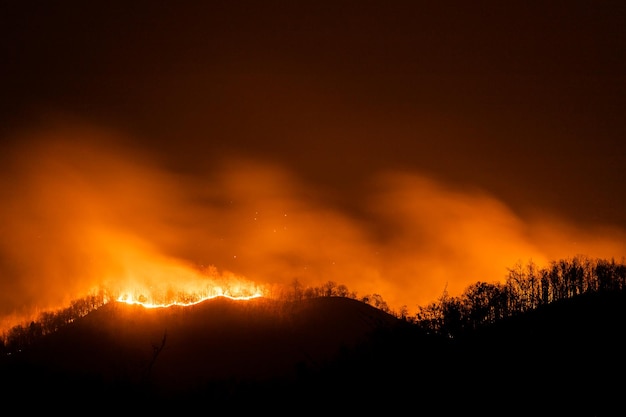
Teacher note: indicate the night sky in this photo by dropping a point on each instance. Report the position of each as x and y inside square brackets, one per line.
[401, 147]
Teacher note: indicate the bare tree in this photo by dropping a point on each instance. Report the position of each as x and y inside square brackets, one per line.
[156, 350]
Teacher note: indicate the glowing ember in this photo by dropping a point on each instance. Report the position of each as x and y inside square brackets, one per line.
[188, 299]
[142, 275]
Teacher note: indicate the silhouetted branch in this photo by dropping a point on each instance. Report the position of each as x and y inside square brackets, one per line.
[156, 349]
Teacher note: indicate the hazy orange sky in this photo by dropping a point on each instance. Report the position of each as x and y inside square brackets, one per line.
[398, 148]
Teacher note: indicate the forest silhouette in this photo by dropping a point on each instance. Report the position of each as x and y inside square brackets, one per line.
[547, 341]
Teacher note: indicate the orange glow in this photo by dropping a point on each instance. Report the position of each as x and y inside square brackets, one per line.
[139, 274]
[187, 289]
[147, 303]
[81, 212]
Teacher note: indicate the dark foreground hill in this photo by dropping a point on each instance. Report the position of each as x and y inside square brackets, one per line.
[219, 349]
[328, 354]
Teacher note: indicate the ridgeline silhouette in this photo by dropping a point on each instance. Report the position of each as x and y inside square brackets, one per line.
[547, 341]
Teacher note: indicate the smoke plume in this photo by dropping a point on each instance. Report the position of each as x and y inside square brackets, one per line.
[81, 211]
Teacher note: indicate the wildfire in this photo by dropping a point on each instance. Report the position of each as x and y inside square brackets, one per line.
[154, 298]
[140, 274]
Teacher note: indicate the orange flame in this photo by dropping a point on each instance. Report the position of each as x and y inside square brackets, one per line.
[139, 274]
[147, 298]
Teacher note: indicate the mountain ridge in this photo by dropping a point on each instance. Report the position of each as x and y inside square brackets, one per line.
[565, 358]
[178, 348]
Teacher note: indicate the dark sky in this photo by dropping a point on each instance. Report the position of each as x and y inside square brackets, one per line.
[393, 126]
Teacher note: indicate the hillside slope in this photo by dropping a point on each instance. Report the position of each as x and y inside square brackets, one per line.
[565, 358]
[177, 351]
[330, 353]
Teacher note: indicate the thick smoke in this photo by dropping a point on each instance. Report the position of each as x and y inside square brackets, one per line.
[81, 211]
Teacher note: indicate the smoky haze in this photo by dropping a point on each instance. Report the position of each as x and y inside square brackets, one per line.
[81, 211]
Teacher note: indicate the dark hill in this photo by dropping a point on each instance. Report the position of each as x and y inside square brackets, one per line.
[213, 347]
[566, 358]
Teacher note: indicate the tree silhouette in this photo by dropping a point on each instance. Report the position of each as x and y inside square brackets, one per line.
[525, 289]
[156, 350]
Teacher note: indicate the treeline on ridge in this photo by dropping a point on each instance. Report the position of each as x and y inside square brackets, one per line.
[526, 288]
